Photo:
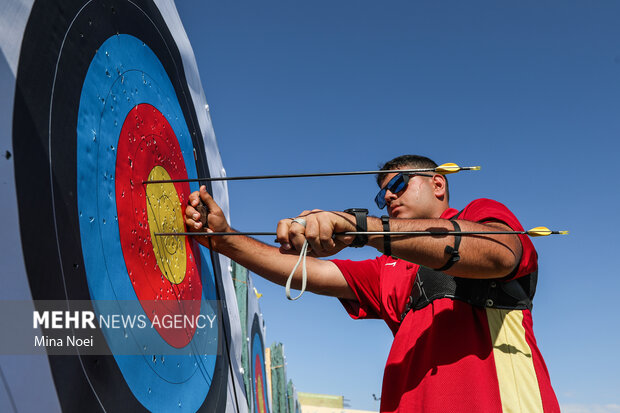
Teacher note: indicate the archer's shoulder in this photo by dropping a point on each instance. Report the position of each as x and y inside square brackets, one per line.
[485, 203]
[484, 209]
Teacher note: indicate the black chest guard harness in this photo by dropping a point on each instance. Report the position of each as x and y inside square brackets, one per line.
[432, 284]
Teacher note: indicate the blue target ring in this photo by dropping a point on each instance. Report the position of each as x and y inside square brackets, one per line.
[124, 73]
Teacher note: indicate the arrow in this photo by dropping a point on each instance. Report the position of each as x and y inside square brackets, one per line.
[445, 169]
[534, 232]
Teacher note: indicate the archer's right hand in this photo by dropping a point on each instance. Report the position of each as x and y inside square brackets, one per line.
[216, 220]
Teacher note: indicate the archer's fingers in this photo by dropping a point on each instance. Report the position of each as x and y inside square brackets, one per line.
[326, 236]
[191, 212]
[312, 232]
[296, 235]
[192, 216]
[194, 199]
[282, 234]
[193, 224]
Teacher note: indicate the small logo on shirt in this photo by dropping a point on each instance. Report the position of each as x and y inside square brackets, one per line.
[393, 264]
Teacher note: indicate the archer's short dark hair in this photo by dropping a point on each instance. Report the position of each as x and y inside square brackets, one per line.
[410, 161]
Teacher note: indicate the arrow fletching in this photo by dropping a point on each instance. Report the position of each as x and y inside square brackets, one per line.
[451, 168]
[543, 232]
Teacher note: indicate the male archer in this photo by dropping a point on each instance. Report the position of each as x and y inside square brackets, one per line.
[459, 306]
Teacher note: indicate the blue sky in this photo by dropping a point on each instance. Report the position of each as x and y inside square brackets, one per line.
[529, 90]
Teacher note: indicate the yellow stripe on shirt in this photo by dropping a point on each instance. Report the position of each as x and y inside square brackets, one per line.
[518, 385]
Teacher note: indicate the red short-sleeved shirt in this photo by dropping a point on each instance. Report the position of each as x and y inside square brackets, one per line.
[450, 356]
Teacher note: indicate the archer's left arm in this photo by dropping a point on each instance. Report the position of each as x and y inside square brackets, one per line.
[482, 256]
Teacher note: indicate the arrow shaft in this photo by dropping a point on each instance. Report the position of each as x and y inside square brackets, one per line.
[212, 234]
[394, 233]
[249, 177]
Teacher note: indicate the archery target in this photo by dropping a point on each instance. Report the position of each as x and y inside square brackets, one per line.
[257, 360]
[121, 142]
[103, 105]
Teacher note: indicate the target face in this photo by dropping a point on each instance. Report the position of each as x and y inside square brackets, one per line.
[113, 110]
[259, 379]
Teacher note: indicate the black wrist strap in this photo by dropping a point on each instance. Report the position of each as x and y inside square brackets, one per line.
[387, 245]
[453, 251]
[361, 225]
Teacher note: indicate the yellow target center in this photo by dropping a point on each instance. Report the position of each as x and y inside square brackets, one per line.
[165, 215]
[259, 393]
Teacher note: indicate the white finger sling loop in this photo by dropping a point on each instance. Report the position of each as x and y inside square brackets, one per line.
[304, 274]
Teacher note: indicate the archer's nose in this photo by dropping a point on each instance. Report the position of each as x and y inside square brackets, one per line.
[389, 197]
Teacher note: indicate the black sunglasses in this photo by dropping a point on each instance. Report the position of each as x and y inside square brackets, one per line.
[396, 184]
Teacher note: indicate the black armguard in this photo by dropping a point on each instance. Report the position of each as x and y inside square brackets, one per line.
[387, 245]
[453, 251]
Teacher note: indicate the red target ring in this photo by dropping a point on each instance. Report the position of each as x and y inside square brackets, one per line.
[164, 271]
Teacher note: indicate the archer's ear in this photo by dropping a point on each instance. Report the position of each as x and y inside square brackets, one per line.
[440, 186]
